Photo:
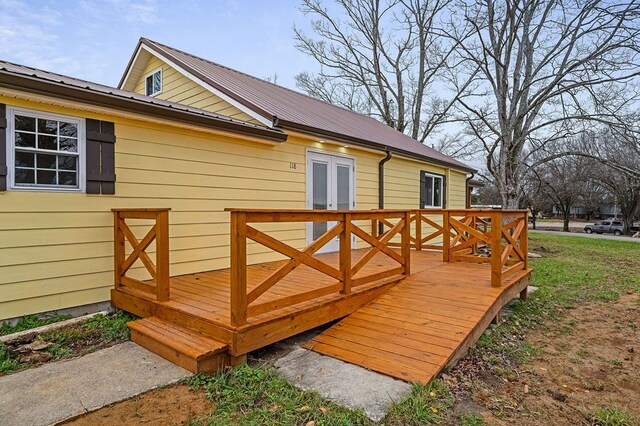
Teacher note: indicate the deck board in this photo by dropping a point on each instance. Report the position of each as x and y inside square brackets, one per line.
[413, 330]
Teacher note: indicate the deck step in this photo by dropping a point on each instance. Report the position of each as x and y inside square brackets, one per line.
[190, 350]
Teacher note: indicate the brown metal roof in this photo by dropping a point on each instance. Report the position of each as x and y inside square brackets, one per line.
[290, 109]
[38, 81]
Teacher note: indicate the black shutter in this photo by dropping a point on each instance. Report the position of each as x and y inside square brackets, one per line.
[3, 147]
[100, 155]
[444, 192]
[422, 192]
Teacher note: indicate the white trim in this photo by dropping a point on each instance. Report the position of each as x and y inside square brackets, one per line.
[210, 88]
[159, 69]
[433, 189]
[125, 80]
[80, 122]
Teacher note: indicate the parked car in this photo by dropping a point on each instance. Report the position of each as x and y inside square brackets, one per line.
[610, 226]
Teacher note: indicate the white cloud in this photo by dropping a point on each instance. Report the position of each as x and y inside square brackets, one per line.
[137, 11]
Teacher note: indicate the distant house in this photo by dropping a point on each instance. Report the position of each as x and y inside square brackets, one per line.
[185, 133]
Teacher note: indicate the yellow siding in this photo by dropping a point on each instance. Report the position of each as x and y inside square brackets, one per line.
[56, 248]
[176, 87]
[402, 184]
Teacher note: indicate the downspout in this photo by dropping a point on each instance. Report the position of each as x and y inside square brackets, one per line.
[467, 194]
[381, 185]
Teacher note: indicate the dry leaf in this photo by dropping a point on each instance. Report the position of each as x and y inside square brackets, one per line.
[322, 410]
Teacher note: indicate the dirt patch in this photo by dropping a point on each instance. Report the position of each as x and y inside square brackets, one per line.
[173, 405]
[588, 359]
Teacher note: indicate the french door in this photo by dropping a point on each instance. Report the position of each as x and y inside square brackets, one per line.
[330, 186]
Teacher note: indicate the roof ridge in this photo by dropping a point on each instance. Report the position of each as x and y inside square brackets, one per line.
[268, 82]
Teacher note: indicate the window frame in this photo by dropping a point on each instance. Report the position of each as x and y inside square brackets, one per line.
[11, 149]
[424, 173]
[154, 94]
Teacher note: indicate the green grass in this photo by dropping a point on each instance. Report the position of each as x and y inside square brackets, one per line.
[111, 327]
[426, 405]
[256, 396]
[611, 416]
[581, 269]
[30, 321]
[8, 363]
[472, 419]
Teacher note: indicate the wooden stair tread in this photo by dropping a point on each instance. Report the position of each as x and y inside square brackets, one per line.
[195, 345]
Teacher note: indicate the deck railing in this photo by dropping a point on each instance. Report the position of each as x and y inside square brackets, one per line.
[245, 304]
[159, 232]
[497, 237]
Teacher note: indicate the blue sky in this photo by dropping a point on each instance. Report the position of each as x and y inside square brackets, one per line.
[94, 40]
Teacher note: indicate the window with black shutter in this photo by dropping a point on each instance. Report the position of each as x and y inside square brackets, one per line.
[432, 190]
[52, 152]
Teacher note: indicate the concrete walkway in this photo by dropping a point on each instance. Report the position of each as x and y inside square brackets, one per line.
[585, 235]
[61, 390]
[343, 383]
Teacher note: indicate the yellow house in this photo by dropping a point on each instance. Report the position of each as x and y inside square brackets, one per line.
[191, 135]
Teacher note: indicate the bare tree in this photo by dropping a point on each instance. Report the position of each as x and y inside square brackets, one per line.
[615, 147]
[595, 195]
[382, 59]
[541, 71]
[564, 180]
[614, 176]
[533, 197]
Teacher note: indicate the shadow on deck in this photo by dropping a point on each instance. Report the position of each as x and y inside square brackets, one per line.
[408, 313]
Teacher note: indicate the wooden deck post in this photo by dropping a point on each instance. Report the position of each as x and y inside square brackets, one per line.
[118, 249]
[474, 225]
[418, 230]
[405, 240]
[496, 249]
[345, 254]
[162, 256]
[446, 236]
[524, 240]
[238, 273]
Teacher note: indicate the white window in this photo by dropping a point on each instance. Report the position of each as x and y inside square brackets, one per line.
[45, 151]
[153, 83]
[431, 190]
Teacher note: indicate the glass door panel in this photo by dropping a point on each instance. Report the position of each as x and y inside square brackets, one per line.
[320, 194]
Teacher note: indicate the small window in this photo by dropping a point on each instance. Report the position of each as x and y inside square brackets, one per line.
[153, 83]
[431, 190]
[45, 151]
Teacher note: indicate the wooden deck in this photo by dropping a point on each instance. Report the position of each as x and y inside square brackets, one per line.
[423, 323]
[412, 304]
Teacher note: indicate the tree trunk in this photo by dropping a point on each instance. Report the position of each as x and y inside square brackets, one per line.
[565, 220]
[627, 220]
